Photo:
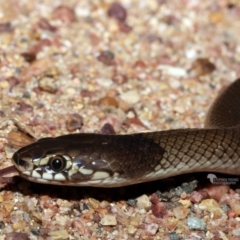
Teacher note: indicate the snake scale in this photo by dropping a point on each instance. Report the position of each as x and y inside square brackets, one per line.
[87, 159]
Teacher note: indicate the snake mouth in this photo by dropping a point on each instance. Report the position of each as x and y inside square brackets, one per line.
[7, 174]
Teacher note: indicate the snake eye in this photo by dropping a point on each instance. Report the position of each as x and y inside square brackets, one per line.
[57, 163]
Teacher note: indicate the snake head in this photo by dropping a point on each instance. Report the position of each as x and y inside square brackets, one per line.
[41, 160]
[58, 161]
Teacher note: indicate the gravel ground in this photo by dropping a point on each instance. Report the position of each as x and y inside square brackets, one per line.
[73, 66]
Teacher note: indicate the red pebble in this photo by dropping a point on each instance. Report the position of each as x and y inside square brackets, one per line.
[117, 11]
[198, 196]
[64, 13]
[159, 209]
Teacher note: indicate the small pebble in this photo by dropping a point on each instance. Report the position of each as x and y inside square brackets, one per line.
[8, 206]
[225, 207]
[115, 232]
[159, 209]
[120, 79]
[131, 229]
[134, 221]
[85, 207]
[4, 84]
[196, 223]
[231, 214]
[79, 225]
[202, 66]
[108, 220]
[64, 13]
[36, 232]
[74, 122]
[132, 202]
[23, 107]
[6, 27]
[2, 225]
[185, 202]
[235, 206]
[106, 83]
[117, 11]
[151, 228]
[173, 236]
[139, 64]
[62, 220]
[124, 27]
[93, 203]
[18, 226]
[216, 17]
[210, 205]
[17, 236]
[180, 212]
[236, 232]
[36, 216]
[106, 57]
[48, 84]
[173, 71]
[107, 129]
[131, 96]
[43, 23]
[61, 234]
[198, 196]
[108, 101]
[29, 56]
[143, 202]
[39, 46]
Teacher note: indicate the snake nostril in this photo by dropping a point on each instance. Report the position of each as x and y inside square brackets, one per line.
[24, 165]
[21, 162]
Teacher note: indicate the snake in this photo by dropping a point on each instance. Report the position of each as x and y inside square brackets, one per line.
[98, 160]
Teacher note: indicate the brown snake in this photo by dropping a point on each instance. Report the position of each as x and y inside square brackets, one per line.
[117, 160]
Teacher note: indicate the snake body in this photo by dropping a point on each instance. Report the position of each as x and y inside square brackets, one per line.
[98, 160]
